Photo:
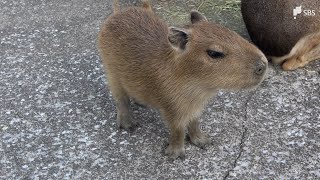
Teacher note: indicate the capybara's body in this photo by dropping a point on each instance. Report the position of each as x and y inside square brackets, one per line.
[175, 70]
[274, 29]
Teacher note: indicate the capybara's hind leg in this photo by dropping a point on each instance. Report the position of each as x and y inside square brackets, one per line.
[294, 63]
[124, 119]
[307, 49]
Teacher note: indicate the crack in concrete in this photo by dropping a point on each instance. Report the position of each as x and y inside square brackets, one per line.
[243, 136]
[234, 164]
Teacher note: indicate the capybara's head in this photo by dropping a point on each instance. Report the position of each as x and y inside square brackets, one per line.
[215, 57]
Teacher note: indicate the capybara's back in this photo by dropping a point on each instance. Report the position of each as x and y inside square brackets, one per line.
[136, 53]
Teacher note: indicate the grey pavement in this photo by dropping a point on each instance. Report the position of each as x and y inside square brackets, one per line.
[57, 116]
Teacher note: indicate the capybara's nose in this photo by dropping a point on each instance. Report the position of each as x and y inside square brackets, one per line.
[261, 67]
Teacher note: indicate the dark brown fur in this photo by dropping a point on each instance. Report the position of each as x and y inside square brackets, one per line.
[272, 27]
[170, 69]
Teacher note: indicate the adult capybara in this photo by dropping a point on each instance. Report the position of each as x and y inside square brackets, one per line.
[273, 27]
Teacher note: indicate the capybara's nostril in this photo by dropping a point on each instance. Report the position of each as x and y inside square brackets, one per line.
[260, 67]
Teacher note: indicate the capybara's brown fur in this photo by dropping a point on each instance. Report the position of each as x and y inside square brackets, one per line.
[274, 29]
[307, 49]
[173, 69]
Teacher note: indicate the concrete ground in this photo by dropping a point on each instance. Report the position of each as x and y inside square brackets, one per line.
[57, 117]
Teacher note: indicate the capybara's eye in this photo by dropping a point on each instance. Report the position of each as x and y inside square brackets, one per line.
[215, 54]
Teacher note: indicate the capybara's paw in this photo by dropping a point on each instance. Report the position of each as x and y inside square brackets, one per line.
[127, 123]
[173, 152]
[290, 65]
[200, 139]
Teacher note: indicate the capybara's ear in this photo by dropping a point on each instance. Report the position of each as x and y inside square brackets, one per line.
[178, 37]
[147, 5]
[195, 16]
